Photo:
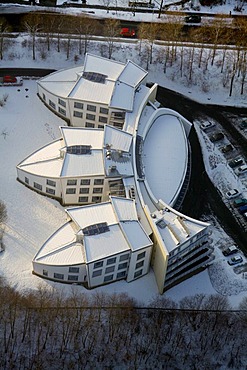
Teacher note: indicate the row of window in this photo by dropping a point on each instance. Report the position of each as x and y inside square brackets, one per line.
[85, 182]
[111, 261]
[84, 191]
[89, 116]
[91, 108]
[107, 278]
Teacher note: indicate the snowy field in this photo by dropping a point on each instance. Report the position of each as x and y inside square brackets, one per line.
[26, 125]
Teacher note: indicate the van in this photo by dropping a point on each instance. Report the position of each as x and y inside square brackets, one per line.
[242, 169]
[242, 209]
[239, 202]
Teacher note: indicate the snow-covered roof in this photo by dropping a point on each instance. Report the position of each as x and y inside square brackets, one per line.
[107, 244]
[165, 157]
[45, 161]
[100, 80]
[108, 67]
[117, 139]
[176, 228]
[123, 233]
[135, 234]
[61, 248]
[83, 165]
[82, 136]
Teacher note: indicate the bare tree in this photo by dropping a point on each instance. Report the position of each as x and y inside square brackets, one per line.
[112, 27]
[85, 28]
[4, 28]
[32, 24]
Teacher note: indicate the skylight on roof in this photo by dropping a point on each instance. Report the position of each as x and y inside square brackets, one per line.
[94, 77]
[96, 229]
[79, 149]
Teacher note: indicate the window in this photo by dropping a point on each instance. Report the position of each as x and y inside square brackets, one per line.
[101, 126]
[97, 273]
[83, 200]
[103, 110]
[118, 114]
[124, 257]
[62, 111]
[91, 108]
[52, 104]
[26, 180]
[121, 274]
[109, 269]
[141, 255]
[110, 261]
[70, 191]
[98, 264]
[97, 190]
[96, 199]
[90, 116]
[71, 182]
[116, 124]
[84, 190]
[77, 114]
[102, 119]
[137, 273]
[72, 278]
[45, 272]
[122, 266]
[98, 182]
[44, 97]
[62, 102]
[108, 278]
[78, 105]
[58, 276]
[51, 183]
[74, 270]
[50, 191]
[85, 182]
[139, 264]
[37, 186]
[89, 124]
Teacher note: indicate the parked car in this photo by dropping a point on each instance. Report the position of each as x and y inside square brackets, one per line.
[235, 162]
[127, 32]
[230, 250]
[206, 125]
[239, 202]
[8, 79]
[242, 169]
[227, 148]
[243, 124]
[243, 209]
[194, 18]
[217, 137]
[234, 260]
[233, 193]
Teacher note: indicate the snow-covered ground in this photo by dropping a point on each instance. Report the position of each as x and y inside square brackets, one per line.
[26, 125]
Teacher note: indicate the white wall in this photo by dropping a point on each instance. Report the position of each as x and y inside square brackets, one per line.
[82, 275]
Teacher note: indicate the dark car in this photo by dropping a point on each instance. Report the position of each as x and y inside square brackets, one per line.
[217, 137]
[226, 149]
[193, 19]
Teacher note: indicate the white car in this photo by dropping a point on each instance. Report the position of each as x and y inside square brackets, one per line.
[232, 193]
[242, 169]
